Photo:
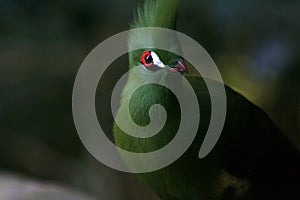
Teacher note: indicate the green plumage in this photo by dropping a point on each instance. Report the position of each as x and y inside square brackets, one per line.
[252, 159]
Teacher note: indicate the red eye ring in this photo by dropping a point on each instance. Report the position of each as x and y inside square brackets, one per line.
[146, 58]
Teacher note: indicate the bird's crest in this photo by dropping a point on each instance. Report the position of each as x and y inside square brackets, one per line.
[156, 13]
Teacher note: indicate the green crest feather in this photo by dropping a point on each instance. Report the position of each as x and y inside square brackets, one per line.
[157, 13]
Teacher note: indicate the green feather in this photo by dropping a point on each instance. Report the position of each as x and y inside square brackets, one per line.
[157, 14]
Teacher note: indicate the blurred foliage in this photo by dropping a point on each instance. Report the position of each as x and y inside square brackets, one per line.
[255, 44]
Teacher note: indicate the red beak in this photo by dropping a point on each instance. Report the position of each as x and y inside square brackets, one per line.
[181, 67]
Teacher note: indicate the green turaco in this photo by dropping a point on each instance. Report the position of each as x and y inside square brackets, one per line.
[251, 160]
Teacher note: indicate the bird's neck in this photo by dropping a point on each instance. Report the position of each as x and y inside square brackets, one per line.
[140, 103]
[152, 87]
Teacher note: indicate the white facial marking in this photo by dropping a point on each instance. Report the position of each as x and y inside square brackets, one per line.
[157, 61]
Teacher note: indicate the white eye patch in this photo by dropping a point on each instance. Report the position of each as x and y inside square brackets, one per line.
[157, 61]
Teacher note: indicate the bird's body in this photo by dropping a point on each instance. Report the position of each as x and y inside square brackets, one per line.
[251, 160]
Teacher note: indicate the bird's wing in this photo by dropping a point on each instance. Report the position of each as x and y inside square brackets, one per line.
[251, 147]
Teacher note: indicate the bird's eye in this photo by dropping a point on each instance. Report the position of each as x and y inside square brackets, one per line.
[146, 59]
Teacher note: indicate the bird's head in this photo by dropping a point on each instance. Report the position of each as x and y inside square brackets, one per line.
[156, 13]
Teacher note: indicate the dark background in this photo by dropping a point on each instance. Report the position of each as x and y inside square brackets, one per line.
[254, 43]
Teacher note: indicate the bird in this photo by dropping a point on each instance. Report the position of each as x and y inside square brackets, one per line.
[252, 159]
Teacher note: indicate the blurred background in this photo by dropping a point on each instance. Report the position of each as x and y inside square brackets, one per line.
[254, 43]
